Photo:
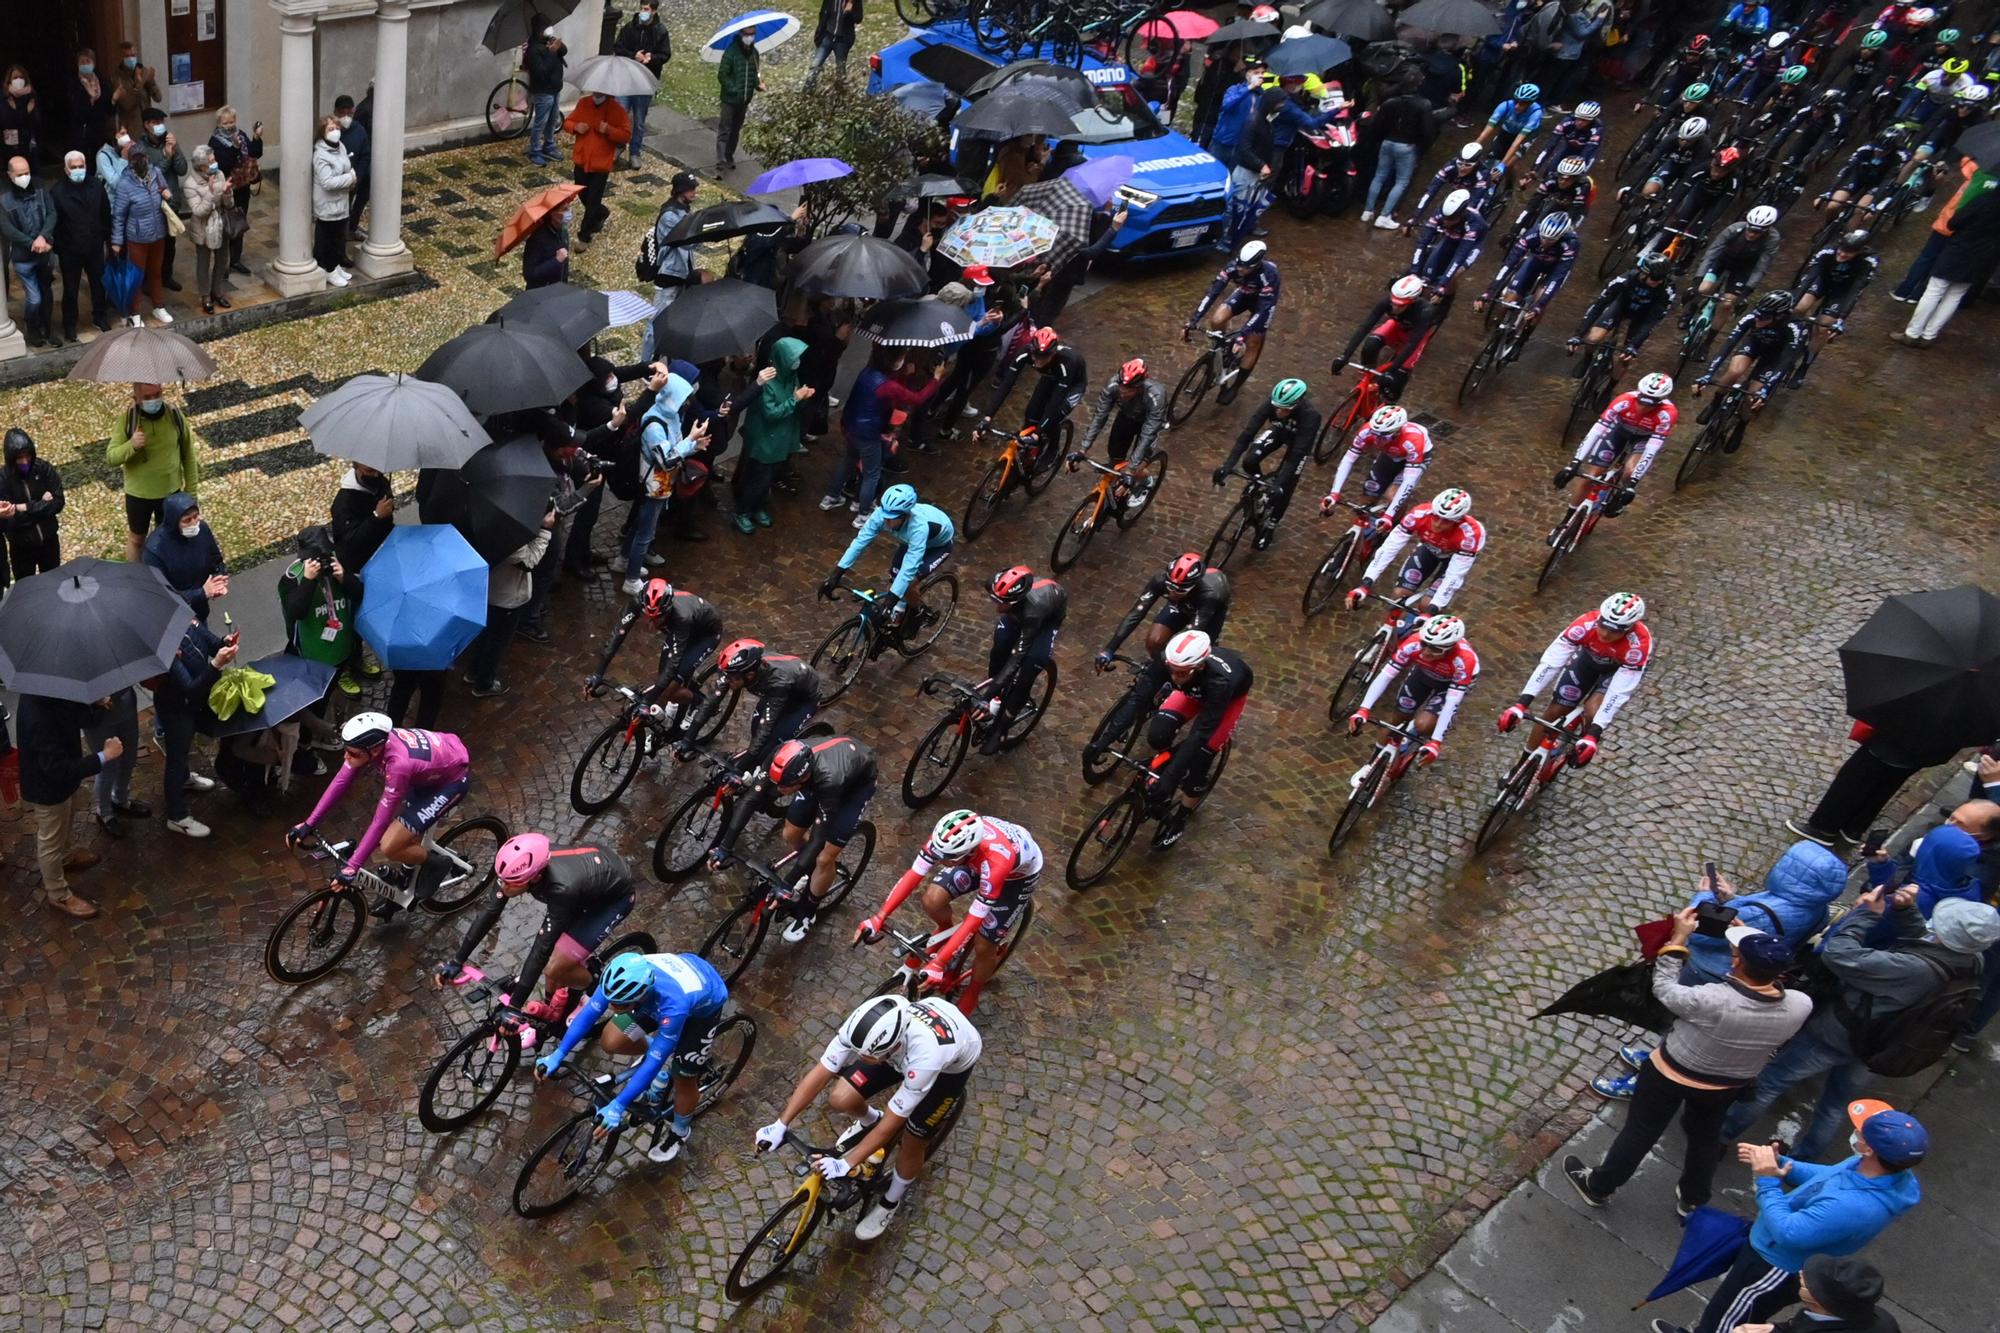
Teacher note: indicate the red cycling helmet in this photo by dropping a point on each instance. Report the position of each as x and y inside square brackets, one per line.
[654, 598]
[792, 764]
[1184, 573]
[1011, 585]
[1698, 43]
[521, 858]
[740, 658]
[1045, 340]
[1132, 371]
[1729, 157]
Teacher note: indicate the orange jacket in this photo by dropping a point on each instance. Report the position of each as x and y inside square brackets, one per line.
[595, 151]
[1942, 226]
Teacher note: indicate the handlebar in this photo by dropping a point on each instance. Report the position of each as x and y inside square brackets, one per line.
[943, 683]
[1080, 459]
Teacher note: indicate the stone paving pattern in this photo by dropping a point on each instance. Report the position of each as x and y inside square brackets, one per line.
[1239, 1086]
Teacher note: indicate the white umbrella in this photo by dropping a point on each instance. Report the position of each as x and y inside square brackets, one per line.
[773, 27]
[628, 308]
[615, 76]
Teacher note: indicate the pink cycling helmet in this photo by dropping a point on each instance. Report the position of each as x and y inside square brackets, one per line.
[521, 858]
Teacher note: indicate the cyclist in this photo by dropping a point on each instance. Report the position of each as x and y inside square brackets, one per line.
[1678, 159]
[967, 851]
[1211, 685]
[1449, 540]
[1196, 597]
[423, 775]
[1288, 421]
[1567, 189]
[1870, 170]
[1934, 89]
[584, 891]
[1761, 345]
[1639, 299]
[1866, 69]
[1536, 266]
[1644, 414]
[1684, 68]
[1755, 71]
[1436, 667]
[1579, 134]
[1514, 122]
[1062, 379]
[1402, 450]
[1135, 407]
[1813, 132]
[1396, 325]
[1740, 255]
[1833, 282]
[1774, 106]
[1252, 281]
[663, 1008]
[788, 692]
[1024, 643]
[1743, 23]
[926, 1052]
[1941, 140]
[690, 628]
[1595, 663]
[1472, 172]
[828, 783]
[922, 530]
[1449, 242]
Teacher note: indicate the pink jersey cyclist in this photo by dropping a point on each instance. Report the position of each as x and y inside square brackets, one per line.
[1401, 455]
[423, 774]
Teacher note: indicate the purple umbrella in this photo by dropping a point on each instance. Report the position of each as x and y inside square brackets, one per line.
[805, 171]
[1100, 178]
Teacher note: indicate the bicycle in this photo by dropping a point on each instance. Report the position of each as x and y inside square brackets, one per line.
[321, 927]
[923, 13]
[1578, 520]
[734, 942]
[1532, 771]
[1110, 831]
[1595, 379]
[1123, 489]
[935, 761]
[484, 1059]
[1025, 461]
[1220, 364]
[1251, 511]
[569, 1160]
[1698, 334]
[1721, 433]
[640, 733]
[1375, 779]
[1373, 654]
[684, 839]
[1329, 579]
[922, 951]
[1107, 736]
[508, 110]
[863, 637]
[1503, 345]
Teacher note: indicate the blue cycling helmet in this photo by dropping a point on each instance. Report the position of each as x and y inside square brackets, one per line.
[1527, 92]
[1555, 226]
[899, 499]
[628, 979]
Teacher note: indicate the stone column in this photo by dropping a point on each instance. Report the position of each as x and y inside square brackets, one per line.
[385, 254]
[294, 272]
[12, 344]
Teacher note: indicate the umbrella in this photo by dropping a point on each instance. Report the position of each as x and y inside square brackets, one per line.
[1364, 20]
[615, 76]
[925, 322]
[930, 185]
[1925, 669]
[1467, 18]
[924, 98]
[142, 356]
[1100, 177]
[799, 172]
[393, 422]
[1307, 55]
[1062, 203]
[1241, 30]
[89, 629]
[1184, 24]
[574, 314]
[121, 278]
[722, 222]
[301, 684]
[1013, 112]
[1981, 143]
[1624, 992]
[423, 598]
[529, 215]
[1710, 1241]
[511, 22]
[496, 501]
[998, 238]
[627, 308]
[864, 267]
[1060, 84]
[506, 368]
[773, 27]
[726, 317]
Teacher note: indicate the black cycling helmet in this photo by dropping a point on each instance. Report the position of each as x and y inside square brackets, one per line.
[1853, 241]
[1774, 305]
[1653, 264]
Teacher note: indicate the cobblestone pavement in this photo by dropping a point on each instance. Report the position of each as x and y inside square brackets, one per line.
[1239, 1086]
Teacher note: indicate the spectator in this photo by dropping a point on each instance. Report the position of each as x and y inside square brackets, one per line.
[31, 497]
[239, 154]
[1964, 265]
[833, 35]
[362, 515]
[90, 106]
[153, 446]
[83, 229]
[354, 139]
[1838, 1296]
[545, 254]
[996, 309]
[544, 62]
[644, 38]
[320, 597]
[1578, 27]
[1947, 859]
[332, 186]
[111, 164]
[770, 432]
[183, 549]
[570, 474]
[1221, 66]
[600, 126]
[139, 228]
[738, 80]
[117, 716]
[1865, 783]
[251, 764]
[51, 771]
[1723, 1035]
[509, 585]
[864, 424]
[180, 699]
[133, 89]
[1232, 116]
[1806, 1211]
[1406, 124]
[20, 115]
[28, 225]
[170, 168]
[1974, 184]
[662, 446]
[676, 268]
[209, 198]
[1878, 1013]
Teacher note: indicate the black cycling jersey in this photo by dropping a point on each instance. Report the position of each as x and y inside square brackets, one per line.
[687, 620]
[1298, 429]
[1205, 608]
[1630, 298]
[1042, 609]
[1220, 681]
[578, 882]
[1768, 346]
[1866, 167]
[842, 767]
[1828, 274]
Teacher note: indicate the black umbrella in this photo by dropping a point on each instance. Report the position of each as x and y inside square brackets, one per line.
[930, 185]
[1981, 143]
[725, 221]
[573, 314]
[864, 267]
[1240, 30]
[1062, 203]
[301, 683]
[1624, 992]
[1467, 18]
[1364, 20]
[512, 20]
[496, 501]
[1039, 78]
[1012, 112]
[1925, 669]
[721, 318]
[924, 322]
[506, 368]
[89, 629]
[1307, 55]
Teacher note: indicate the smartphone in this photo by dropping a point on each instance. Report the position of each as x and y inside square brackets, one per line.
[1709, 876]
[1874, 842]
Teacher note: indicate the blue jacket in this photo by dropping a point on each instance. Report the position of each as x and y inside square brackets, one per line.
[927, 531]
[662, 445]
[186, 561]
[185, 687]
[1574, 32]
[135, 209]
[1832, 1210]
[1947, 866]
[1237, 103]
[686, 987]
[1796, 896]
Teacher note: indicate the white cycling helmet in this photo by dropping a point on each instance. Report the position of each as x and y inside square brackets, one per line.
[1587, 111]
[1441, 632]
[1763, 217]
[1974, 95]
[1692, 128]
[955, 835]
[1621, 610]
[1252, 252]
[1452, 503]
[1454, 202]
[1555, 226]
[1777, 41]
[875, 1030]
[1388, 420]
[1655, 387]
[1188, 649]
[1472, 152]
[1572, 166]
[365, 731]
[1406, 288]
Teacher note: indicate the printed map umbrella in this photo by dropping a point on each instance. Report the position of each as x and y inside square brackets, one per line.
[999, 238]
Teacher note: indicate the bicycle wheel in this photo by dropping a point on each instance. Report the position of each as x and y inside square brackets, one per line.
[1567, 534]
[1040, 691]
[1329, 441]
[771, 1250]
[1074, 537]
[632, 941]
[314, 935]
[1163, 44]
[563, 1166]
[1048, 459]
[1107, 737]
[1104, 839]
[1148, 481]
[1506, 804]
[851, 866]
[687, 835]
[476, 842]
[1357, 805]
[1064, 43]
[470, 1078]
[992, 23]
[936, 604]
[1482, 364]
[986, 498]
[916, 13]
[1360, 669]
[840, 655]
[1323, 587]
[1193, 386]
[731, 945]
[508, 108]
[607, 767]
[729, 1048]
[704, 682]
[1587, 402]
[1691, 460]
[1234, 524]
[934, 763]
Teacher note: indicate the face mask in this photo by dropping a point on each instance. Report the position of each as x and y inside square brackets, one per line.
[645, 16]
[611, 384]
[86, 70]
[130, 62]
[152, 407]
[191, 529]
[333, 136]
[76, 173]
[21, 182]
[346, 121]
[157, 131]
[1856, 1142]
[25, 466]
[124, 141]
[564, 219]
[215, 168]
[18, 86]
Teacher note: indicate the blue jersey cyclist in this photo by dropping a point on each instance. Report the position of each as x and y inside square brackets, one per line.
[1579, 134]
[1251, 280]
[1514, 122]
[663, 1008]
[923, 531]
[1537, 265]
[1450, 241]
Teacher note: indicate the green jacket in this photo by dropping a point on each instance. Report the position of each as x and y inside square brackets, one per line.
[771, 421]
[163, 459]
[319, 616]
[738, 73]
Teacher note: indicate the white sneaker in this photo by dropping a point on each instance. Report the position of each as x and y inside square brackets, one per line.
[968, 411]
[190, 826]
[666, 1145]
[198, 782]
[135, 321]
[342, 276]
[859, 519]
[829, 503]
[1386, 223]
[651, 561]
[162, 314]
[1367, 215]
[799, 927]
[877, 1219]
[632, 587]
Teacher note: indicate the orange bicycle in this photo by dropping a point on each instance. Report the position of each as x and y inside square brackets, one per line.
[1026, 461]
[1352, 413]
[1122, 493]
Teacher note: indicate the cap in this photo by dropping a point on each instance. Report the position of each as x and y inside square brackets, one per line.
[682, 182]
[687, 370]
[1898, 1140]
[978, 275]
[1763, 953]
[1965, 926]
[1848, 1288]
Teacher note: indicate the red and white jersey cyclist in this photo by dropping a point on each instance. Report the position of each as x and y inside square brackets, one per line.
[1449, 539]
[1402, 450]
[1643, 417]
[1596, 663]
[1433, 666]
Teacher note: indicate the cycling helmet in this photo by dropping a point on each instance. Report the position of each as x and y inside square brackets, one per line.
[1011, 585]
[1692, 128]
[1184, 573]
[1621, 610]
[628, 979]
[1452, 503]
[1875, 40]
[1472, 152]
[899, 499]
[1388, 420]
[1045, 340]
[1921, 17]
[1453, 202]
[1948, 36]
[1441, 632]
[1761, 218]
[1777, 41]
[876, 1028]
[1794, 74]
[1955, 66]
[1555, 226]
[1288, 393]
[1974, 95]
[792, 764]
[1852, 241]
[1132, 371]
[1527, 92]
[655, 598]
[1696, 92]
[1697, 43]
[1572, 166]
[954, 836]
[1587, 111]
[740, 657]
[521, 858]
[1831, 97]
[1406, 289]
[1653, 264]
[1188, 649]
[1252, 253]
[1655, 387]
[1774, 305]
[1729, 156]
[365, 731]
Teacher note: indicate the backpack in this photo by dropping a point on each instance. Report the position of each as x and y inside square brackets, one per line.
[1908, 1041]
[621, 473]
[647, 265]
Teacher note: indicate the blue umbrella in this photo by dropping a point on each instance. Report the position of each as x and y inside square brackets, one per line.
[1710, 1242]
[799, 172]
[1307, 55]
[773, 27]
[121, 280]
[423, 597]
[1100, 178]
[301, 684]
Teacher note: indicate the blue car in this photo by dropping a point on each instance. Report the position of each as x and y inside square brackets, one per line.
[1177, 196]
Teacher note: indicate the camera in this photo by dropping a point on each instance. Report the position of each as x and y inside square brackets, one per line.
[1712, 918]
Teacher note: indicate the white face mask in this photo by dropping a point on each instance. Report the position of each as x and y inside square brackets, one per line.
[333, 136]
[346, 121]
[21, 182]
[611, 384]
[1856, 1142]
[191, 529]
[18, 86]
[124, 140]
[76, 173]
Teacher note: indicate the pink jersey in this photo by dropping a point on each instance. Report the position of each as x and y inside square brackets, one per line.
[411, 761]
